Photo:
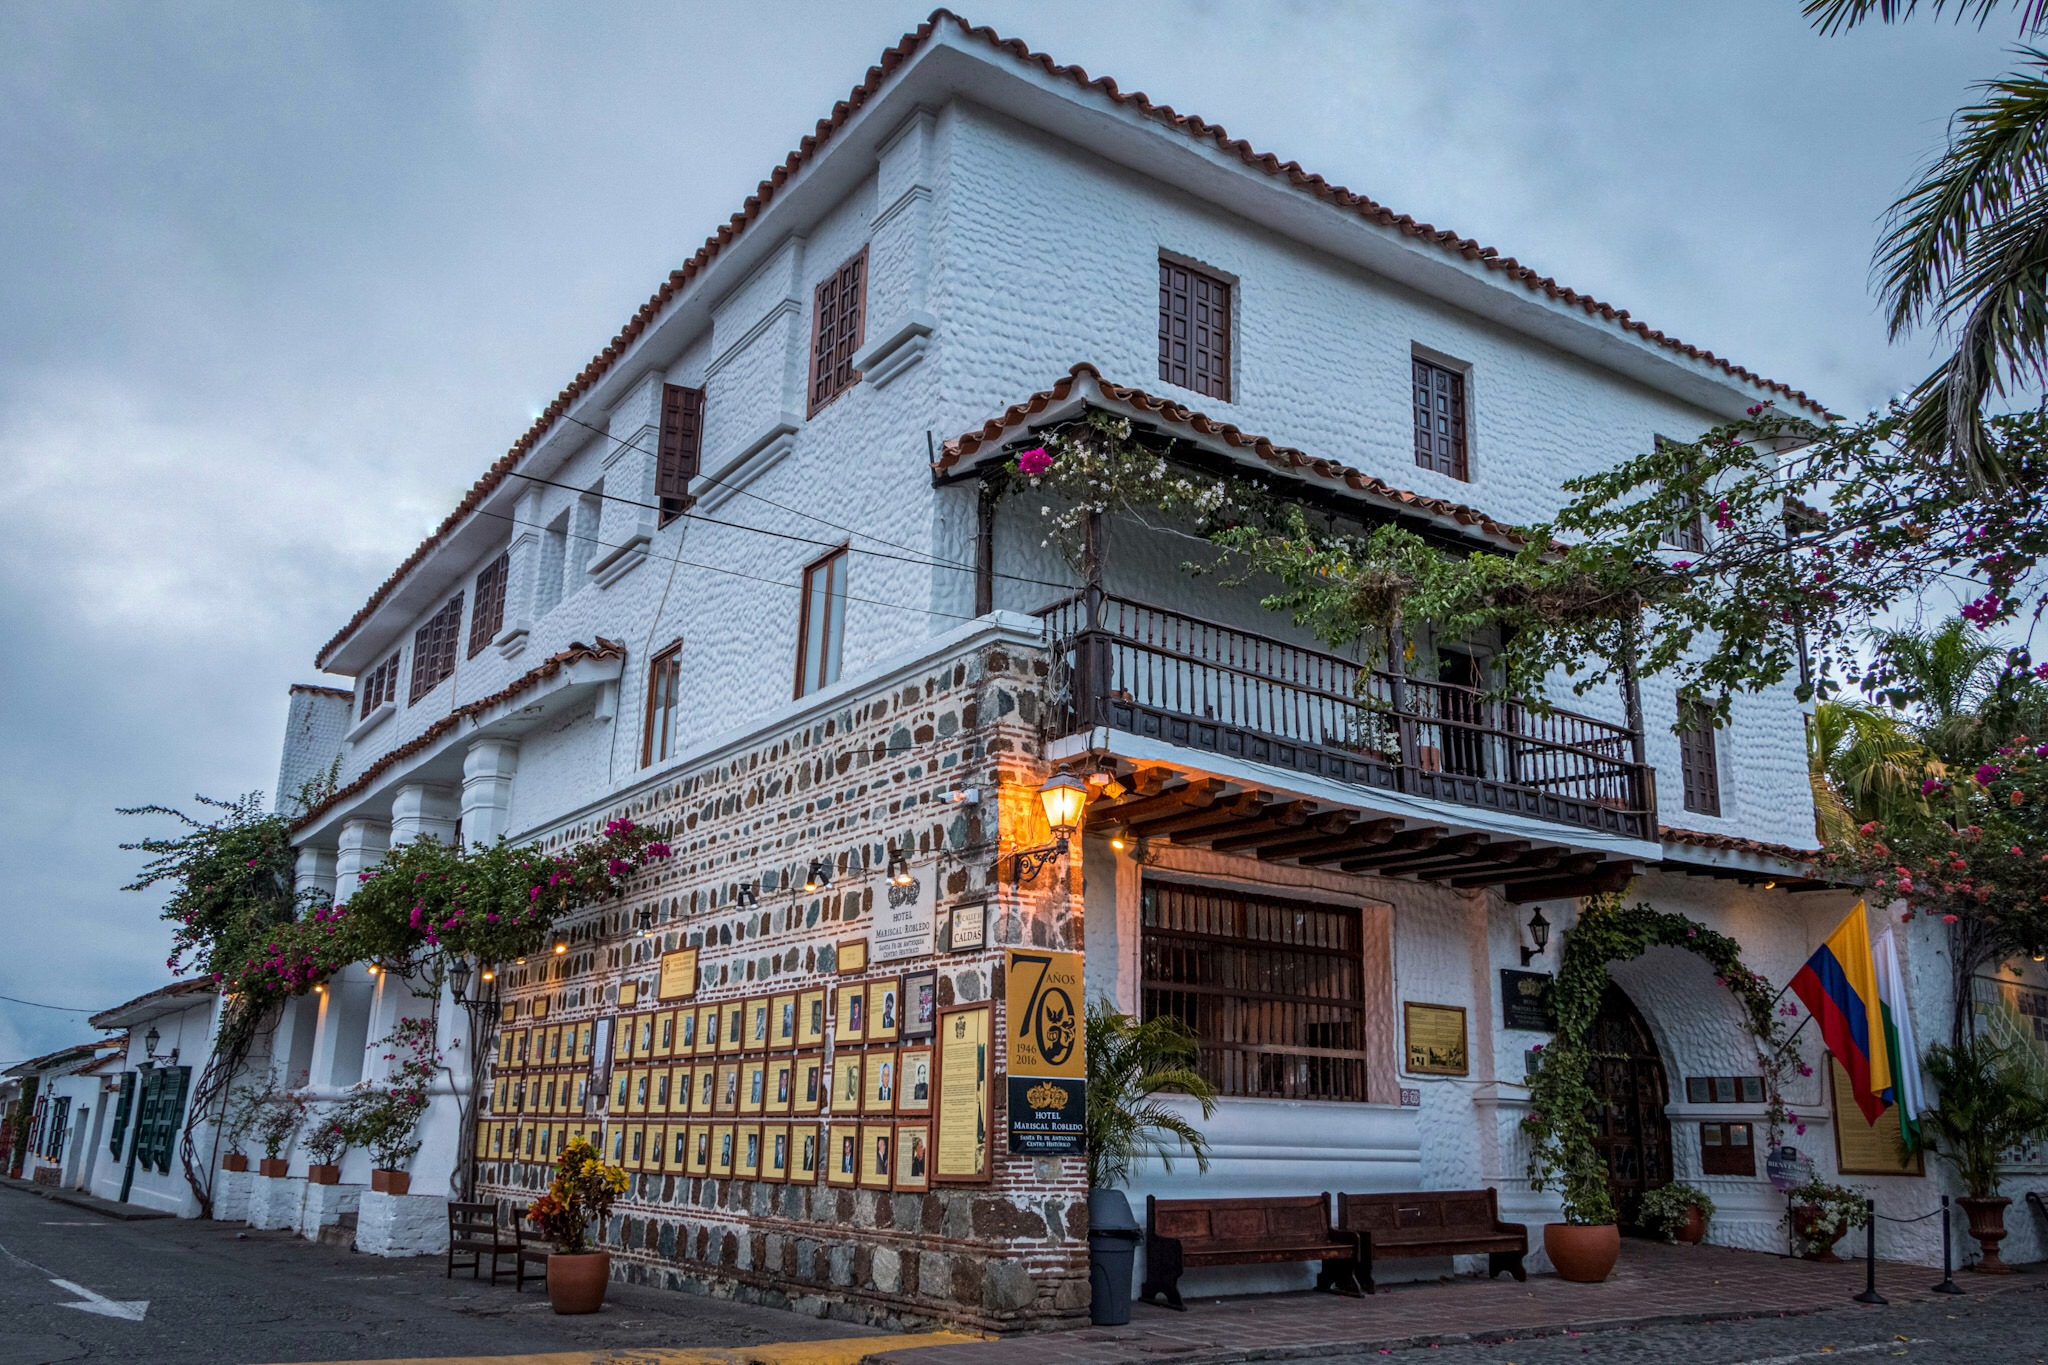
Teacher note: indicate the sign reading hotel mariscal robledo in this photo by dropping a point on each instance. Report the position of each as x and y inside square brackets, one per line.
[1048, 1057]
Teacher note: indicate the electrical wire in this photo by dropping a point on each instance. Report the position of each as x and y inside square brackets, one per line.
[37, 1004]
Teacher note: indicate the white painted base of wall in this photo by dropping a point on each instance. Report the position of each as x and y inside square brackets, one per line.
[274, 1201]
[324, 1207]
[401, 1224]
[231, 1195]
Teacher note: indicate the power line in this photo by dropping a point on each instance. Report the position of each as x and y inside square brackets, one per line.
[37, 1004]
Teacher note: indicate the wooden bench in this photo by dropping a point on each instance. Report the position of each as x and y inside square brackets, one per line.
[474, 1231]
[1433, 1223]
[533, 1250]
[1183, 1233]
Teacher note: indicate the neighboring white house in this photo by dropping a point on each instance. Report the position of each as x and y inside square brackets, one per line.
[743, 581]
[69, 1113]
[139, 1144]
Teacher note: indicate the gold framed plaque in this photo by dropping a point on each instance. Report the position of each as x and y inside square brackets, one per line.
[1435, 1037]
[678, 975]
[964, 1114]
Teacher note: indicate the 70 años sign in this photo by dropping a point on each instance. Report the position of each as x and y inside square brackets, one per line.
[1048, 1056]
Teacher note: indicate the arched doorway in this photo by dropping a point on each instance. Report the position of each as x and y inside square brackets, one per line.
[1630, 1131]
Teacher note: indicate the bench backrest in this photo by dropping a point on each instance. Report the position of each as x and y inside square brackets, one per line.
[472, 1220]
[1290, 1218]
[1424, 1211]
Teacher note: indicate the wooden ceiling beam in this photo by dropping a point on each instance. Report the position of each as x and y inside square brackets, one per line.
[1459, 848]
[1436, 864]
[1288, 817]
[1228, 811]
[1572, 865]
[1196, 793]
[1602, 880]
[1414, 839]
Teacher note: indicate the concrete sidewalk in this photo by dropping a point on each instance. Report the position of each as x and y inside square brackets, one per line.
[106, 1208]
[1653, 1284]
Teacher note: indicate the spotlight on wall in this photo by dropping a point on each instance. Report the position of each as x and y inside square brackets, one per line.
[561, 944]
[899, 869]
[820, 875]
[1539, 934]
[964, 796]
[745, 894]
[1119, 841]
[644, 921]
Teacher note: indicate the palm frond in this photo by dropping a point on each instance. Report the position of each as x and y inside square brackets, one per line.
[1838, 16]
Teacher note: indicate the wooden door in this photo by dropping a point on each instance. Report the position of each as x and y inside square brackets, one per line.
[1630, 1130]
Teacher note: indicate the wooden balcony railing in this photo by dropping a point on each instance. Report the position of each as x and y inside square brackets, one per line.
[1190, 682]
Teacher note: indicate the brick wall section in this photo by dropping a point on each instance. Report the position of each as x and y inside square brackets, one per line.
[1007, 1255]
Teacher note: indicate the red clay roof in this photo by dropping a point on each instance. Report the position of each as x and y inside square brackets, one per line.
[317, 690]
[1735, 844]
[1167, 409]
[1190, 124]
[547, 668]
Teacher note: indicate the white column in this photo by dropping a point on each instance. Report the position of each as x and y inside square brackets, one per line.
[315, 871]
[360, 848]
[424, 810]
[487, 789]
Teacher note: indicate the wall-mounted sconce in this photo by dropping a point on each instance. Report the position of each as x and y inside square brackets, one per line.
[1064, 796]
[899, 869]
[1539, 934]
[820, 875]
[745, 894]
[964, 796]
[645, 921]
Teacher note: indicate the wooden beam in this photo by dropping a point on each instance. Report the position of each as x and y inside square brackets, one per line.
[1608, 877]
[1198, 792]
[1339, 833]
[1225, 812]
[1572, 865]
[1461, 848]
[1416, 839]
[1436, 862]
[1286, 818]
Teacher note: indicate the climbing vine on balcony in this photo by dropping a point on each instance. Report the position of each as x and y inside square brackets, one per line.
[1562, 1099]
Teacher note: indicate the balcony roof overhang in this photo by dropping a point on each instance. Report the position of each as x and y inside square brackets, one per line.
[1235, 806]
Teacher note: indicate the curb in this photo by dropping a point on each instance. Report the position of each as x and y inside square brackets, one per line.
[122, 1213]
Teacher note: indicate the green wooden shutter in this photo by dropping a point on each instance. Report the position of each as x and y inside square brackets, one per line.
[170, 1109]
[121, 1108]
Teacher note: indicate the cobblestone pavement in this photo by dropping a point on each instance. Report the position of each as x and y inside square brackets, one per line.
[2006, 1330]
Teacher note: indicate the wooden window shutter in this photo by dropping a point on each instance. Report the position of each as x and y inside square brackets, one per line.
[838, 328]
[177, 1081]
[433, 649]
[682, 449]
[1440, 420]
[1691, 532]
[122, 1106]
[1696, 759]
[1194, 329]
[489, 617]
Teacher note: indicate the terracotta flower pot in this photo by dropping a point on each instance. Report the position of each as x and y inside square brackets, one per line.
[1583, 1254]
[273, 1166]
[234, 1161]
[1693, 1230]
[577, 1280]
[1805, 1224]
[391, 1182]
[323, 1175]
[1987, 1225]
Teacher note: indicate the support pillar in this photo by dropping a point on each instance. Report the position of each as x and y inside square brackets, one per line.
[361, 847]
[487, 772]
[424, 810]
[315, 871]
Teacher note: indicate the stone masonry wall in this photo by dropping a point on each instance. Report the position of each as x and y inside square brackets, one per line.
[880, 773]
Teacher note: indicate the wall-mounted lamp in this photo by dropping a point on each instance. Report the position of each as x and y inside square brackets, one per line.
[561, 944]
[899, 869]
[149, 1046]
[644, 921]
[745, 894]
[820, 875]
[2041, 957]
[1064, 797]
[458, 979]
[1119, 841]
[964, 796]
[1539, 934]
[1106, 785]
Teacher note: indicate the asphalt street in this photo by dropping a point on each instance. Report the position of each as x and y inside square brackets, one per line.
[2010, 1329]
[216, 1296]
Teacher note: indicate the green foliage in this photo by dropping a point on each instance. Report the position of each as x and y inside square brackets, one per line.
[1128, 1063]
[278, 1118]
[384, 1117]
[327, 1135]
[1665, 1209]
[1836, 1209]
[1987, 1102]
[1865, 764]
[581, 1195]
[230, 879]
[1562, 1099]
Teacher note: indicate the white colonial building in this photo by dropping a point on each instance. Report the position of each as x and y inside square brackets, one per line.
[745, 580]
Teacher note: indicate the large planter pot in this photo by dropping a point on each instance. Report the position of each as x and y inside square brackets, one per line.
[1987, 1225]
[1113, 1237]
[274, 1166]
[1693, 1230]
[318, 1174]
[391, 1182]
[234, 1161]
[1584, 1254]
[1814, 1245]
[577, 1280]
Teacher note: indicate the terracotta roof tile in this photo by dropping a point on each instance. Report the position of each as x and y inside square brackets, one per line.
[1192, 125]
[547, 668]
[1735, 844]
[315, 689]
[1179, 414]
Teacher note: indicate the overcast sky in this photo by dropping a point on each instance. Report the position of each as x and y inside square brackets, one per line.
[277, 283]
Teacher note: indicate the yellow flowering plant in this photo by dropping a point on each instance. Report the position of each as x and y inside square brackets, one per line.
[580, 1197]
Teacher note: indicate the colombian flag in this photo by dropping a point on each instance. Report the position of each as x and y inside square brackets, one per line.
[1839, 985]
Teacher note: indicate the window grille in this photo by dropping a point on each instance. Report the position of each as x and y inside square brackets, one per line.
[489, 617]
[1440, 420]
[433, 650]
[838, 326]
[1194, 329]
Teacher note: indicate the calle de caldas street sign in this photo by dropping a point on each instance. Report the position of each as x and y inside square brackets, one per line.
[1048, 1056]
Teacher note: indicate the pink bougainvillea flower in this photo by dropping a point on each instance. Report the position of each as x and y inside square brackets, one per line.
[1949, 919]
[1035, 461]
[1987, 773]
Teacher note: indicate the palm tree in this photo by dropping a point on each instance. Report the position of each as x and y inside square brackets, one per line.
[1128, 1063]
[1943, 678]
[1865, 763]
[1966, 248]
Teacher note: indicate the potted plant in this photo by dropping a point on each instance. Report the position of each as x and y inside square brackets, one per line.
[1819, 1213]
[238, 1119]
[1128, 1063]
[277, 1122]
[385, 1118]
[1676, 1212]
[1987, 1103]
[325, 1144]
[581, 1195]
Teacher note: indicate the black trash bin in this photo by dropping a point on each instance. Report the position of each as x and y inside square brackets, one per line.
[1112, 1246]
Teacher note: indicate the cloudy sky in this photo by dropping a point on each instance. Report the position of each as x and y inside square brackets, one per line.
[277, 282]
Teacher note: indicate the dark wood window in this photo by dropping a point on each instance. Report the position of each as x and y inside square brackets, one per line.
[1273, 990]
[838, 327]
[122, 1108]
[1727, 1149]
[1691, 532]
[664, 705]
[489, 617]
[1194, 329]
[1440, 419]
[433, 649]
[821, 626]
[1696, 757]
[380, 685]
[163, 1104]
[682, 449]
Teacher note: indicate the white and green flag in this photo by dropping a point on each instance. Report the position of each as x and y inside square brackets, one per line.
[1905, 1092]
